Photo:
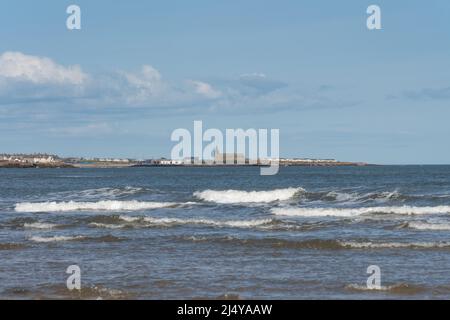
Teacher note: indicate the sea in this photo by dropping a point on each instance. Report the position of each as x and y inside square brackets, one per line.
[371, 232]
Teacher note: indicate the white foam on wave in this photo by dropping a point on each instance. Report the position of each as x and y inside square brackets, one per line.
[429, 226]
[130, 219]
[106, 205]
[357, 197]
[393, 245]
[39, 225]
[385, 195]
[55, 238]
[351, 212]
[218, 223]
[239, 196]
[110, 192]
[395, 288]
[99, 193]
[342, 196]
[105, 225]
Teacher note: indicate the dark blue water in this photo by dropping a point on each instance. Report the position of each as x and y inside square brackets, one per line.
[177, 233]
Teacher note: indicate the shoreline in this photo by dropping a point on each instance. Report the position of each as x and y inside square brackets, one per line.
[13, 165]
[62, 165]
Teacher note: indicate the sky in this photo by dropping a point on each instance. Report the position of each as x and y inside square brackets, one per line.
[138, 70]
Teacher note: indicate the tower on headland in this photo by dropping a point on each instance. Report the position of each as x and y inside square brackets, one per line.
[228, 158]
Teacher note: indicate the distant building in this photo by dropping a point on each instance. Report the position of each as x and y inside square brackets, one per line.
[169, 162]
[191, 160]
[228, 158]
[306, 161]
[30, 159]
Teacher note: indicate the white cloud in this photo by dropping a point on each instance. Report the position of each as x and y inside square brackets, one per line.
[259, 83]
[83, 130]
[255, 75]
[148, 79]
[205, 89]
[39, 82]
[142, 86]
[21, 67]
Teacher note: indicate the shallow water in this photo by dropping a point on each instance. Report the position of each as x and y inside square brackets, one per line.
[178, 233]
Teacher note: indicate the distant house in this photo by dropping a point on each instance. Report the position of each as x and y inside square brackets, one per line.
[30, 159]
[167, 162]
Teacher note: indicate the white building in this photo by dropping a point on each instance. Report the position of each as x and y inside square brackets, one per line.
[167, 162]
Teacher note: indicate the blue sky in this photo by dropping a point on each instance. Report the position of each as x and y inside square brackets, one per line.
[137, 70]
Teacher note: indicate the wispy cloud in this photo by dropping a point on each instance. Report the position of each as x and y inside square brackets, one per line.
[32, 81]
[259, 83]
[83, 130]
[442, 93]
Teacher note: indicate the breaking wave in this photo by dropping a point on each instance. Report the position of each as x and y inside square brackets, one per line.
[217, 223]
[352, 196]
[357, 197]
[317, 244]
[428, 226]
[401, 288]
[107, 238]
[99, 193]
[124, 221]
[106, 205]
[230, 223]
[56, 238]
[39, 225]
[351, 212]
[86, 292]
[394, 245]
[105, 225]
[239, 196]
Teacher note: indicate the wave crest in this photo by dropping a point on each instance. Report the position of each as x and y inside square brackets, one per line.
[401, 288]
[106, 205]
[93, 194]
[428, 226]
[393, 245]
[350, 212]
[239, 196]
[106, 238]
[39, 225]
[216, 223]
[56, 238]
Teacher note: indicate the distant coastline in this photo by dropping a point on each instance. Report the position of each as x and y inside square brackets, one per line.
[53, 161]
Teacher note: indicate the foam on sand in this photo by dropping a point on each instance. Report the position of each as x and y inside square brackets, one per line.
[351, 212]
[239, 196]
[106, 205]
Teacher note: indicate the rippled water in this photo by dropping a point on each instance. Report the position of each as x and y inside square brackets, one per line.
[160, 233]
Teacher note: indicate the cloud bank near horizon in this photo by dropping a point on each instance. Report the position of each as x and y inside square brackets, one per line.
[27, 79]
[34, 80]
